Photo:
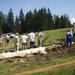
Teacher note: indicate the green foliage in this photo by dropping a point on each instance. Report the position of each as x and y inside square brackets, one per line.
[17, 25]
[29, 20]
[1, 21]
[40, 20]
[10, 20]
[21, 20]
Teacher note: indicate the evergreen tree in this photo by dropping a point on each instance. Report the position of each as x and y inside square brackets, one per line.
[65, 22]
[35, 20]
[45, 24]
[50, 19]
[17, 25]
[1, 21]
[57, 22]
[40, 20]
[10, 21]
[21, 18]
[29, 21]
[5, 26]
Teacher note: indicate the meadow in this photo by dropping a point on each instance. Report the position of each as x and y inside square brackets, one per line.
[18, 64]
[69, 70]
[50, 36]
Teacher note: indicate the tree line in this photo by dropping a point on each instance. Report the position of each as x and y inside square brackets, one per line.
[38, 20]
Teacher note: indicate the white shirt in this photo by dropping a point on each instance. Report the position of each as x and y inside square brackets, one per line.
[7, 36]
[40, 35]
[31, 36]
[69, 33]
[24, 38]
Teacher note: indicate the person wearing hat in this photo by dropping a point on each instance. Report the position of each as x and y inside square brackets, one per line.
[16, 42]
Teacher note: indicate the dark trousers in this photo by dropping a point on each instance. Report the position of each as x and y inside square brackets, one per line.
[32, 44]
[23, 46]
[69, 40]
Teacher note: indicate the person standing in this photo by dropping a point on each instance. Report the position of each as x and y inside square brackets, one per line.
[32, 38]
[24, 40]
[69, 37]
[7, 39]
[1, 40]
[16, 42]
[40, 35]
[74, 34]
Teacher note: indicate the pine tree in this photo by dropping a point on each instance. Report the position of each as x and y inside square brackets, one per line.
[17, 25]
[1, 21]
[29, 21]
[57, 22]
[50, 19]
[21, 18]
[10, 21]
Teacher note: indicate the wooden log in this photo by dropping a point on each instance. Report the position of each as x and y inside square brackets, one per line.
[21, 53]
[53, 48]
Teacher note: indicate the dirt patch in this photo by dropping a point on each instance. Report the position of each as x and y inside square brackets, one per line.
[64, 50]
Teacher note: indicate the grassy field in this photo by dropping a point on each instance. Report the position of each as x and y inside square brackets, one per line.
[70, 70]
[9, 67]
[49, 37]
[18, 65]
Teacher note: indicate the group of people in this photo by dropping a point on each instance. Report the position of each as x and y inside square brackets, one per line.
[24, 39]
[32, 38]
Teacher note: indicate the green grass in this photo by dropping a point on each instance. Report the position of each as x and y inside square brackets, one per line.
[38, 61]
[49, 37]
[55, 35]
[9, 68]
[69, 70]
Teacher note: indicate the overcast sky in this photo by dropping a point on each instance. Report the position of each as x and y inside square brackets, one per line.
[58, 7]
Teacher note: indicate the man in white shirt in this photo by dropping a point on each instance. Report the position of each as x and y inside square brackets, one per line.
[24, 40]
[40, 35]
[16, 42]
[31, 37]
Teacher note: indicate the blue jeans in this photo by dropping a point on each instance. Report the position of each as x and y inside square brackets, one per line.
[69, 40]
